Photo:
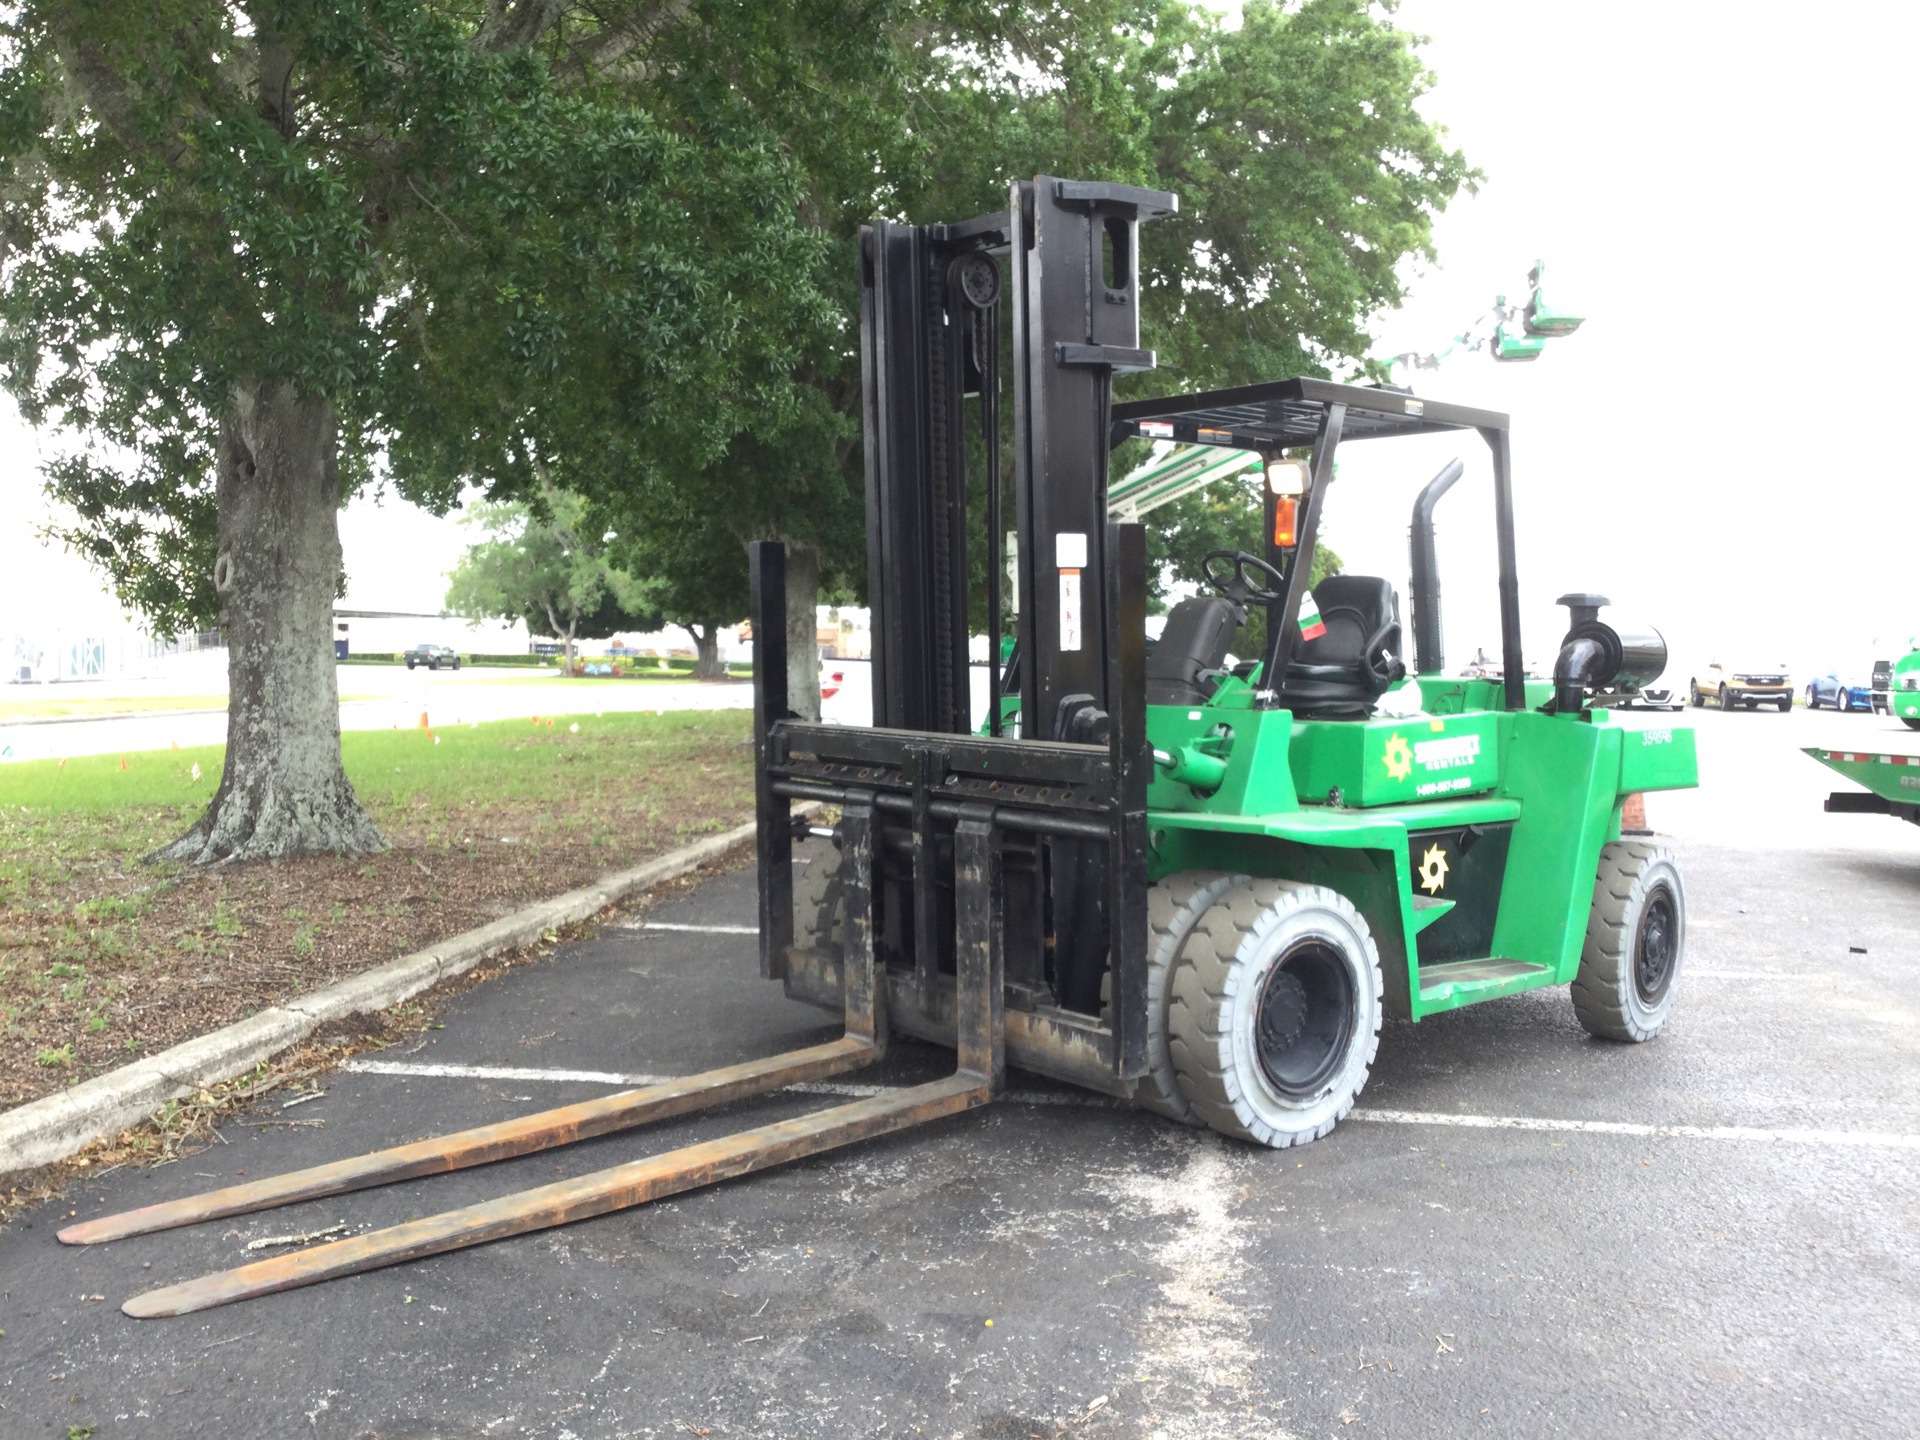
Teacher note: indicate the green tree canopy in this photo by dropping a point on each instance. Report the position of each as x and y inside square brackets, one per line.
[255, 253]
[540, 561]
[1305, 172]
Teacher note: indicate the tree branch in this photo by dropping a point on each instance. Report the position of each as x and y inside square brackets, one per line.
[517, 24]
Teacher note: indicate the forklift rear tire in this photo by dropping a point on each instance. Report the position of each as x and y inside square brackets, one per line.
[1174, 907]
[1636, 938]
[1276, 1012]
[1910, 722]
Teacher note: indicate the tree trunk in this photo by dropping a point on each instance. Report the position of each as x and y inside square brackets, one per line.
[283, 791]
[803, 645]
[706, 644]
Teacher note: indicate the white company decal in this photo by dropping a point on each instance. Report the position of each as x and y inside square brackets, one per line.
[1448, 754]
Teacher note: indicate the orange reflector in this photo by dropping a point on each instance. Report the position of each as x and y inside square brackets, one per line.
[1284, 509]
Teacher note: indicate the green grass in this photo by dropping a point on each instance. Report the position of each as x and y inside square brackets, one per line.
[101, 955]
[499, 760]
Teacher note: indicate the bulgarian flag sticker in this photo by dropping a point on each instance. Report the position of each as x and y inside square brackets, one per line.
[1312, 627]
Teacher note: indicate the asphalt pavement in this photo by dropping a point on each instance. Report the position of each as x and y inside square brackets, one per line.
[1519, 1232]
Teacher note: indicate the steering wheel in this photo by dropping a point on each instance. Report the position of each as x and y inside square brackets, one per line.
[1228, 571]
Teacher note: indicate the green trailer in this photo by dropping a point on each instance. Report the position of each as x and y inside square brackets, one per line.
[1891, 780]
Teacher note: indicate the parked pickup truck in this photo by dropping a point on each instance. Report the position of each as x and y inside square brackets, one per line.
[432, 656]
[1752, 687]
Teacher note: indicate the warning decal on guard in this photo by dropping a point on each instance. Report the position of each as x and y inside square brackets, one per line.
[1070, 557]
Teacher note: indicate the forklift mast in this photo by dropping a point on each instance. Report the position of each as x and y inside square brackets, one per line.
[931, 301]
[1065, 902]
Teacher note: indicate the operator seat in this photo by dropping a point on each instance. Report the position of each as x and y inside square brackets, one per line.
[1338, 675]
[1193, 645]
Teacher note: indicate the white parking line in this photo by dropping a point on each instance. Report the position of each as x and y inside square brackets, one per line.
[498, 1072]
[410, 1068]
[1836, 1139]
[689, 929]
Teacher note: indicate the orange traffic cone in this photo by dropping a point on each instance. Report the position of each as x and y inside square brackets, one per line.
[423, 719]
[123, 762]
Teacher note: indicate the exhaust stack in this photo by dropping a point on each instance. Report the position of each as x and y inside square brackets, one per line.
[1428, 655]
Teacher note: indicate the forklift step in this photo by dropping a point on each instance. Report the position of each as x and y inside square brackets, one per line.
[1460, 977]
[564, 1201]
[486, 1143]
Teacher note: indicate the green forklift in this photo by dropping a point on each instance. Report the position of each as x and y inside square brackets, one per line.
[1153, 872]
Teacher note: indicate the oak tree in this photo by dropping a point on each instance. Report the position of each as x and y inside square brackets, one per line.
[257, 251]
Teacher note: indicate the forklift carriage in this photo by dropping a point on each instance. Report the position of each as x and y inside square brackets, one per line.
[1152, 874]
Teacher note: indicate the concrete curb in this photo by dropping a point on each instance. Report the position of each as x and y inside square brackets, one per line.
[56, 1126]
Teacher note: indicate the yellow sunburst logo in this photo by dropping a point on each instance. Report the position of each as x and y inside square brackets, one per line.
[1433, 870]
[1399, 757]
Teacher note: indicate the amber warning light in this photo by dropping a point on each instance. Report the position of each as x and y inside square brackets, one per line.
[1285, 508]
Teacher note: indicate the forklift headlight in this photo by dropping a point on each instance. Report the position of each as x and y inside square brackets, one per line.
[1287, 477]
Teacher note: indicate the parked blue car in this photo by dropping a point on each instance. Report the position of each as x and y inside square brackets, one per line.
[1827, 690]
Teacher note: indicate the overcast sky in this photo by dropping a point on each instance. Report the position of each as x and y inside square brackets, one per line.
[1719, 189]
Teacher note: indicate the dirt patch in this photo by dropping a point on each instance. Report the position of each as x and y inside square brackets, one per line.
[271, 1092]
[104, 959]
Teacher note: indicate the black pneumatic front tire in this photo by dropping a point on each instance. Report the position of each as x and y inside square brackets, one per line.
[1726, 698]
[1636, 940]
[1694, 697]
[1276, 1012]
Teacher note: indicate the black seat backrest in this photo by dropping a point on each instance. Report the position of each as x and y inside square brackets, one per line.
[1340, 674]
[1195, 641]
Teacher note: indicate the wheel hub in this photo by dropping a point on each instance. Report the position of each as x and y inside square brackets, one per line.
[1656, 947]
[1305, 1019]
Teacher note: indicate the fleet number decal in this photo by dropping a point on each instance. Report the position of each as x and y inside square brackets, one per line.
[1656, 737]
